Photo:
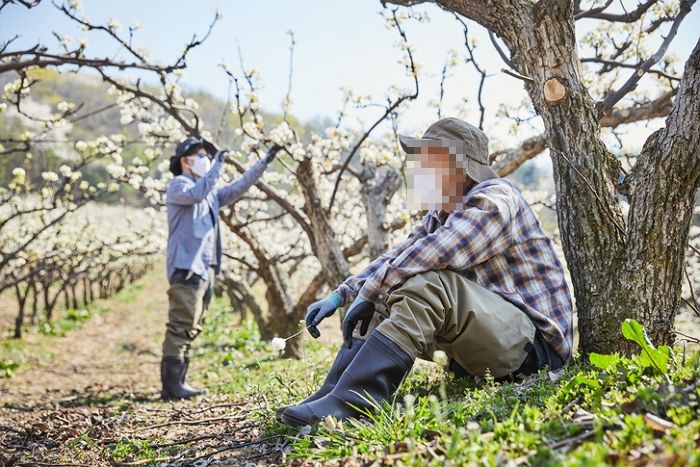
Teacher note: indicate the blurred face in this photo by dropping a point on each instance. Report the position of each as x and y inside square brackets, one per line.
[437, 183]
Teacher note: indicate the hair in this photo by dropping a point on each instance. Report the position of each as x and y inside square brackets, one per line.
[194, 149]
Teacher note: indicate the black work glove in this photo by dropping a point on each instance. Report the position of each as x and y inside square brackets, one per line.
[221, 155]
[360, 310]
[271, 153]
[320, 310]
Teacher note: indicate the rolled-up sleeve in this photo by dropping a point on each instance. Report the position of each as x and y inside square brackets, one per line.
[480, 231]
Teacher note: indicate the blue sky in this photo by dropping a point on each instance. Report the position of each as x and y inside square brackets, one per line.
[339, 43]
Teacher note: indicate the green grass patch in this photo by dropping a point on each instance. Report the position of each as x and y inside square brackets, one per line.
[8, 367]
[73, 319]
[129, 450]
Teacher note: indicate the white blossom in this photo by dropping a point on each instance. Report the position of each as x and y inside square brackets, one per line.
[278, 344]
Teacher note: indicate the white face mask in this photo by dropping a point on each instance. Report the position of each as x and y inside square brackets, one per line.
[427, 188]
[201, 166]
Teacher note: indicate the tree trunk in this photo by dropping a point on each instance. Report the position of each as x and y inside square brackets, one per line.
[74, 296]
[377, 189]
[589, 215]
[662, 188]
[66, 297]
[21, 302]
[86, 301]
[35, 303]
[324, 242]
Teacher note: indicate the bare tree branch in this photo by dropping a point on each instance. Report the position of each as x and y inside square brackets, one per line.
[614, 97]
[627, 17]
[507, 161]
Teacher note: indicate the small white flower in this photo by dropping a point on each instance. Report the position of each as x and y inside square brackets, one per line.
[471, 425]
[65, 170]
[113, 24]
[440, 358]
[64, 106]
[18, 172]
[81, 146]
[49, 176]
[278, 344]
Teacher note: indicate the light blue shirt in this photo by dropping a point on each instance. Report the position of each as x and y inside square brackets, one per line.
[192, 230]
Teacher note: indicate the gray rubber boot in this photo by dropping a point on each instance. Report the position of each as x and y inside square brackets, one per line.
[373, 376]
[172, 371]
[341, 362]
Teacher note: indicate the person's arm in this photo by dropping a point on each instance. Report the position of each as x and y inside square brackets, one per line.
[480, 231]
[351, 286]
[183, 190]
[236, 189]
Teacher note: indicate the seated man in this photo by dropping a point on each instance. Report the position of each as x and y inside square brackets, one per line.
[477, 279]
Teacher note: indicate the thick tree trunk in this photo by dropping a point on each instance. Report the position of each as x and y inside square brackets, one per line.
[589, 215]
[324, 243]
[662, 188]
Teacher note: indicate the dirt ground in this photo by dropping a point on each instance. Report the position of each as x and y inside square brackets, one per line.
[102, 380]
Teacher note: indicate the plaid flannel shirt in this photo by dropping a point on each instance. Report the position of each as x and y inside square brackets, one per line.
[496, 241]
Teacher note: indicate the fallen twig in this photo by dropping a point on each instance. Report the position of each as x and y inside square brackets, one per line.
[190, 422]
[185, 441]
[572, 441]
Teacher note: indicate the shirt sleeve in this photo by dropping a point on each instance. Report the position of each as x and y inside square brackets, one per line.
[349, 289]
[235, 190]
[481, 230]
[184, 191]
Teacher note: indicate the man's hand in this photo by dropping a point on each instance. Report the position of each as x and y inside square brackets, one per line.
[320, 310]
[360, 310]
[221, 155]
[271, 153]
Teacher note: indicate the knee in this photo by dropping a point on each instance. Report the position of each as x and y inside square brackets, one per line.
[423, 286]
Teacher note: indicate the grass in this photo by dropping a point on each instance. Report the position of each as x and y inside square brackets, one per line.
[620, 410]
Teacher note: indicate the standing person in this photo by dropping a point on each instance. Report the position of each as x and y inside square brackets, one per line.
[194, 249]
[477, 279]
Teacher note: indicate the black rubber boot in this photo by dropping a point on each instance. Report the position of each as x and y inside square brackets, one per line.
[341, 362]
[372, 377]
[172, 373]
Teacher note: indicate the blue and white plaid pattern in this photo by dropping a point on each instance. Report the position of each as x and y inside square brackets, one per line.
[496, 241]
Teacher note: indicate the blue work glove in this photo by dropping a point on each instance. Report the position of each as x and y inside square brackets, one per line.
[360, 310]
[271, 153]
[320, 310]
